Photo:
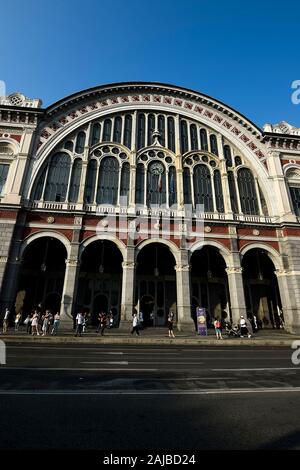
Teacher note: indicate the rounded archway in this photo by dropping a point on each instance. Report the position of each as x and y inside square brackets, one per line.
[261, 288]
[209, 286]
[100, 280]
[155, 291]
[42, 275]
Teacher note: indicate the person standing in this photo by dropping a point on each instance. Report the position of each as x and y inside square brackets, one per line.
[141, 320]
[243, 327]
[135, 324]
[35, 324]
[171, 318]
[6, 320]
[79, 324]
[18, 321]
[56, 324]
[103, 323]
[218, 326]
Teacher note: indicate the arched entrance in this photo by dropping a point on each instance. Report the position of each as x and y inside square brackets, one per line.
[100, 280]
[209, 287]
[42, 275]
[261, 288]
[155, 284]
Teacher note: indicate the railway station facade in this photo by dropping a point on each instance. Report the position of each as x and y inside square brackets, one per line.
[152, 197]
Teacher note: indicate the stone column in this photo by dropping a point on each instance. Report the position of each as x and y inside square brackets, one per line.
[236, 292]
[289, 289]
[184, 319]
[127, 302]
[70, 287]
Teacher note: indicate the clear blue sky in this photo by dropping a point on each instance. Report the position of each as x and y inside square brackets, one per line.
[245, 54]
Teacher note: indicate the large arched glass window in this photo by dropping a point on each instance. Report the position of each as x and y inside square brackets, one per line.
[140, 131]
[58, 178]
[151, 128]
[95, 133]
[140, 184]
[172, 186]
[213, 144]
[107, 130]
[91, 181]
[3, 176]
[232, 192]
[187, 193]
[125, 184]
[117, 129]
[184, 137]
[108, 182]
[203, 139]
[161, 129]
[194, 137]
[127, 131]
[80, 142]
[203, 188]
[75, 180]
[171, 134]
[156, 183]
[293, 176]
[248, 196]
[218, 191]
[227, 155]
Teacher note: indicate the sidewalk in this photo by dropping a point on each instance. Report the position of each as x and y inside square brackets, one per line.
[154, 336]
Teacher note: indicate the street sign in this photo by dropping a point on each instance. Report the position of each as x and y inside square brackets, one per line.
[201, 321]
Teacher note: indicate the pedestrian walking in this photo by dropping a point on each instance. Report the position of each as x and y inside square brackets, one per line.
[171, 319]
[6, 320]
[243, 328]
[35, 324]
[45, 322]
[103, 323]
[28, 323]
[18, 321]
[110, 319]
[56, 324]
[135, 324]
[218, 326]
[79, 324]
[141, 320]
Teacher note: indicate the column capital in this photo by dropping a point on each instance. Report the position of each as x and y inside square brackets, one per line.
[128, 265]
[72, 262]
[286, 272]
[234, 270]
[182, 268]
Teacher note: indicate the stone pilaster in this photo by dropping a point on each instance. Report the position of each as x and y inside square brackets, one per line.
[127, 302]
[289, 289]
[182, 268]
[236, 292]
[70, 287]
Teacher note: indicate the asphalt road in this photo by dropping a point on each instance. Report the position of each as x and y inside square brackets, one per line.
[126, 397]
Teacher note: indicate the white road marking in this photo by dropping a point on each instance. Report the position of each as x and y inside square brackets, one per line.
[94, 369]
[151, 392]
[118, 363]
[255, 368]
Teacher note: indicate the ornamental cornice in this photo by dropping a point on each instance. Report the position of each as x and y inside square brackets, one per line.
[116, 98]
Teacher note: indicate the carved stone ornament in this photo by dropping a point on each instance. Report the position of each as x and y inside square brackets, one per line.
[256, 232]
[207, 229]
[50, 220]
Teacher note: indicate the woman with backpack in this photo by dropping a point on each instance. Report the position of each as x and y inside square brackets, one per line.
[217, 325]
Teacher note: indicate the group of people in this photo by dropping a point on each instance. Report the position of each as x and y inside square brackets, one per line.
[138, 321]
[244, 328]
[36, 322]
[105, 320]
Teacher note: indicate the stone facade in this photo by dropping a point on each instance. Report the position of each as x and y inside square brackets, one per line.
[168, 133]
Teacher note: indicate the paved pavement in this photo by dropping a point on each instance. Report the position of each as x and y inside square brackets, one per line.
[164, 397]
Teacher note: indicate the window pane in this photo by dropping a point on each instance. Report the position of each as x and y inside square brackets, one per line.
[172, 186]
[58, 178]
[107, 191]
[3, 176]
[218, 191]
[171, 134]
[80, 142]
[203, 188]
[91, 182]
[248, 196]
[127, 132]
[75, 180]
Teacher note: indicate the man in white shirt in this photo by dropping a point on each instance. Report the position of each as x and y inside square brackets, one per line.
[79, 323]
[6, 320]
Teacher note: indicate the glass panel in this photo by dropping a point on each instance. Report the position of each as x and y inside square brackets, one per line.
[232, 192]
[213, 144]
[96, 133]
[58, 178]
[295, 196]
[161, 129]
[3, 176]
[38, 185]
[156, 184]
[117, 130]
[75, 180]
[107, 191]
[140, 131]
[183, 137]
[194, 137]
[203, 188]
[171, 134]
[139, 187]
[227, 155]
[187, 186]
[107, 130]
[172, 186]
[91, 182]
[218, 191]
[203, 139]
[248, 196]
[69, 145]
[127, 131]
[151, 128]
[125, 184]
[80, 142]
